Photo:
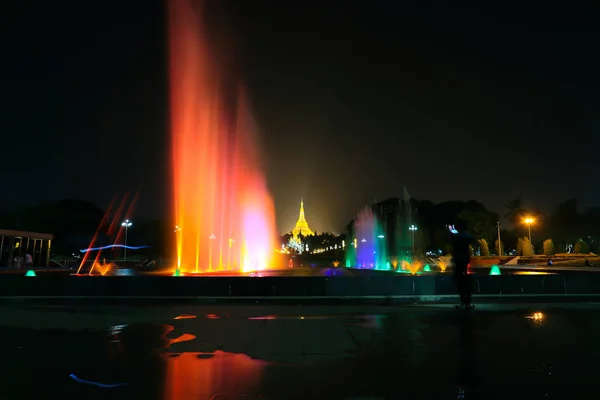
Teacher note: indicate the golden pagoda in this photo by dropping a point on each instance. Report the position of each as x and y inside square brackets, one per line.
[301, 227]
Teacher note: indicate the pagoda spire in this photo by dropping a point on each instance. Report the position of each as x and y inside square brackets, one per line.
[301, 216]
[301, 227]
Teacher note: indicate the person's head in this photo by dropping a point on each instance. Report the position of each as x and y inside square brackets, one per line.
[460, 225]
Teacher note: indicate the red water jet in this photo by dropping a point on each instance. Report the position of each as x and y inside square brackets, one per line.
[223, 212]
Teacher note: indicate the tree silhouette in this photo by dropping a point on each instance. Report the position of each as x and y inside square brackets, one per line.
[515, 210]
[581, 247]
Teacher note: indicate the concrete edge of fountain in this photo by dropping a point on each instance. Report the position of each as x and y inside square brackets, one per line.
[373, 287]
[400, 300]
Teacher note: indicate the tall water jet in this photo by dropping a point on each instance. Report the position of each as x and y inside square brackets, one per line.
[368, 247]
[224, 215]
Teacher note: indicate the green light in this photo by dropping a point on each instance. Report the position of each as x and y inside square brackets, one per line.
[177, 272]
[30, 273]
[427, 268]
[495, 270]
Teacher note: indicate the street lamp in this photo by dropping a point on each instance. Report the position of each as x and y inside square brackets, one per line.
[412, 229]
[177, 231]
[231, 242]
[499, 240]
[209, 253]
[528, 221]
[127, 224]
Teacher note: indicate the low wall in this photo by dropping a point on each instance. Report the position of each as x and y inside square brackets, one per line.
[397, 285]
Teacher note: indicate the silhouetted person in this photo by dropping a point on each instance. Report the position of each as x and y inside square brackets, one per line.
[461, 242]
[587, 263]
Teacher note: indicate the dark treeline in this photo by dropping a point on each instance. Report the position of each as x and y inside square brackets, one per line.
[565, 229]
[74, 222]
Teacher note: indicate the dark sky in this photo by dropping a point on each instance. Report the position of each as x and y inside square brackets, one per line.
[353, 102]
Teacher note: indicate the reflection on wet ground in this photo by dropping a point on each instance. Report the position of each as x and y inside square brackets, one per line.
[340, 352]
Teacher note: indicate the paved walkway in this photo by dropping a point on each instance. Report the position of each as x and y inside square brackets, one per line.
[223, 352]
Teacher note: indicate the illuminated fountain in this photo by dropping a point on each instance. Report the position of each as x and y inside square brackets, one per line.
[102, 268]
[379, 236]
[223, 212]
[368, 248]
[411, 267]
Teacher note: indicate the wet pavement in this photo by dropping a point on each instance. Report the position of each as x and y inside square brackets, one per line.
[190, 351]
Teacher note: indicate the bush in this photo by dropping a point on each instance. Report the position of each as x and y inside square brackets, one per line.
[549, 247]
[581, 247]
[527, 249]
[520, 247]
[484, 249]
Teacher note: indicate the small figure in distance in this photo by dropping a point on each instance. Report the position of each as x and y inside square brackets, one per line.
[461, 258]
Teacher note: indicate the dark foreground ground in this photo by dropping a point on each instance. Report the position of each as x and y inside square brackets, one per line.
[191, 351]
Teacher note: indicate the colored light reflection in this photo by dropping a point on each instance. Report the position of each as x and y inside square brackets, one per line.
[223, 211]
[168, 342]
[211, 375]
[536, 317]
[185, 316]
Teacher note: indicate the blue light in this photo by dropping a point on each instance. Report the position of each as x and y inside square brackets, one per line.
[110, 246]
[102, 385]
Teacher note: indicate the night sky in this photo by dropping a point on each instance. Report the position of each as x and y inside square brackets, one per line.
[353, 103]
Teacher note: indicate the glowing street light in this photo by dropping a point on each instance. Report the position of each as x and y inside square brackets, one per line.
[528, 221]
[412, 229]
[127, 224]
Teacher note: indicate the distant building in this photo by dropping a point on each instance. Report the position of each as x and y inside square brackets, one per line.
[301, 227]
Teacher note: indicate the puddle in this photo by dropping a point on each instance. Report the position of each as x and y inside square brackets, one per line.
[397, 356]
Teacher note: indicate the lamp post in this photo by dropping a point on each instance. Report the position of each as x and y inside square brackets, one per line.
[210, 246]
[499, 241]
[177, 231]
[528, 221]
[127, 224]
[412, 229]
[231, 241]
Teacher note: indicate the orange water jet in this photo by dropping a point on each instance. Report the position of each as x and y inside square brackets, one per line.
[102, 267]
[413, 267]
[223, 211]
